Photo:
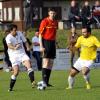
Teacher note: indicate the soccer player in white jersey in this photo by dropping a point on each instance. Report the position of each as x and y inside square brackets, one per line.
[17, 55]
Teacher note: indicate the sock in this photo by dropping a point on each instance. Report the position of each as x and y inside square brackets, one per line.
[87, 78]
[48, 75]
[44, 75]
[12, 82]
[70, 81]
[31, 74]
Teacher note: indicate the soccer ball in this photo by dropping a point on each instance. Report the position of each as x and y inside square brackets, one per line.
[41, 85]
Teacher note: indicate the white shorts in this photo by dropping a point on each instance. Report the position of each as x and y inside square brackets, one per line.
[79, 64]
[17, 59]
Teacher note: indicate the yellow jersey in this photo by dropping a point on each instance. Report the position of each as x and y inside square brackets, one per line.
[88, 47]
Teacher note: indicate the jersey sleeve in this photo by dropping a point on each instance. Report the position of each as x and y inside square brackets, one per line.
[96, 42]
[23, 37]
[42, 26]
[78, 43]
[8, 40]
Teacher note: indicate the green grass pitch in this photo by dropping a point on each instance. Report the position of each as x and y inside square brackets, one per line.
[23, 90]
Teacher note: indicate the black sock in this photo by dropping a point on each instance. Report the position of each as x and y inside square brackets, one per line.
[12, 83]
[48, 75]
[31, 76]
[44, 75]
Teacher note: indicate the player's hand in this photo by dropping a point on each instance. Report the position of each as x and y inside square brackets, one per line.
[17, 46]
[77, 17]
[42, 49]
[88, 18]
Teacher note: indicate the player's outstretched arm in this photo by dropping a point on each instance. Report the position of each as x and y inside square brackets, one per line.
[13, 47]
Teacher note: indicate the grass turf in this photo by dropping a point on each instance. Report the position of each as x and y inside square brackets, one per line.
[23, 90]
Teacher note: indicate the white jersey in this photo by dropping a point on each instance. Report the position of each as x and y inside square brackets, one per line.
[18, 39]
[35, 39]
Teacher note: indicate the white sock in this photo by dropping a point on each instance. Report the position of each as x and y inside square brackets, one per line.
[87, 78]
[70, 81]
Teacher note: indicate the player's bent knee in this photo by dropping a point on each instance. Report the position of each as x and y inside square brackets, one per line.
[85, 71]
[16, 72]
[73, 72]
[27, 64]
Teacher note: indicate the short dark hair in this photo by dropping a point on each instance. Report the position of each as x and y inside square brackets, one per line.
[87, 28]
[13, 26]
[51, 9]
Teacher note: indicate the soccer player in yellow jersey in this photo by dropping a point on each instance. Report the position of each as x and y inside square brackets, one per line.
[88, 45]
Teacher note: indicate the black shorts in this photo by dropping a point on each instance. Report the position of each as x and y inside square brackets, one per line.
[50, 49]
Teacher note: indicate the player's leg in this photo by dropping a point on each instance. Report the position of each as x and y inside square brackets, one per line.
[49, 69]
[71, 79]
[30, 71]
[45, 69]
[85, 72]
[26, 62]
[49, 55]
[13, 77]
[73, 72]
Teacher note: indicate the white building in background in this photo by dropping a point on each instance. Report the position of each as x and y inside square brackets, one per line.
[0, 11]
[18, 12]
